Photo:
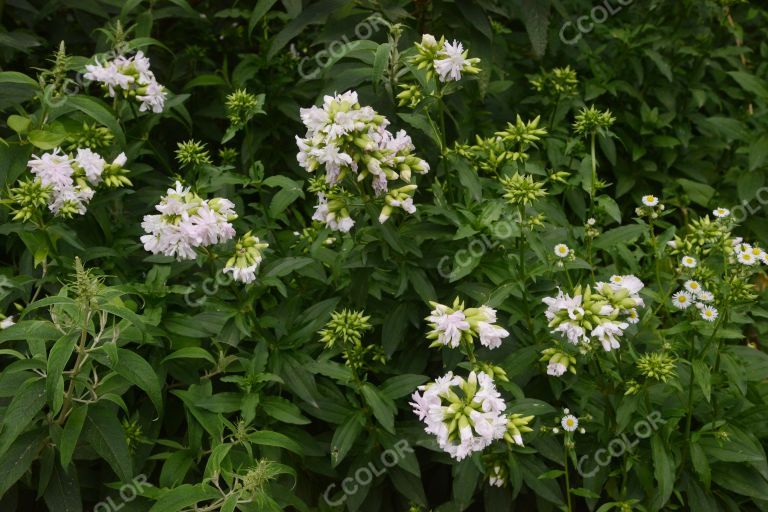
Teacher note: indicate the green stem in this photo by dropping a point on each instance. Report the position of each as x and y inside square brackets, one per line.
[523, 275]
[67, 404]
[567, 476]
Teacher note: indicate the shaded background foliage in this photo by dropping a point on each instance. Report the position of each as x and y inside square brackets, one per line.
[686, 81]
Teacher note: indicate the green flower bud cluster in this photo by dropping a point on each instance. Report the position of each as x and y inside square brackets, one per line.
[345, 331]
[91, 136]
[192, 153]
[522, 189]
[27, 198]
[590, 120]
[410, 96]
[242, 105]
[345, 327]
[557, 82]
[659, 366]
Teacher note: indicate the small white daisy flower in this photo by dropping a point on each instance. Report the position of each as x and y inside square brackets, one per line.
[689, 261]
[746, 258]
[650, 200]
[721, 213]
[682, 299]
[555, 430]
[708, 313]
[591, 221]
[693, 286]
[570, 423]
[562, 250]
[706, 296]
[617, 279]
[632, 316]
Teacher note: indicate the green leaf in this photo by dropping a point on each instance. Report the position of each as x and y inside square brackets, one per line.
[380, 61]
[611, 208]
[283, 410]
[622, 234]
[270, 438]
[19, 457]
[63, 491]
[190, 353]
[345, 437]
[18, 124]
[25, 405]
[741, 479]
[751, 83]
[106, 436]
[14, 77]
[700, 463]
[703, 378]
[383, 408]
[663, 471]
[402, 385]
[138, 372]
[261, 8]
[71, 433]
[46, 140]
[535, 16]
[421, 123]
[57, 362]
[183, 496]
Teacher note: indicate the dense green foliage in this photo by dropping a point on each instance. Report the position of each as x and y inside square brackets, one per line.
[130, 379]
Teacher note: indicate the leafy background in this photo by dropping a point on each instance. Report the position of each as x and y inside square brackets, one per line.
[686, 81]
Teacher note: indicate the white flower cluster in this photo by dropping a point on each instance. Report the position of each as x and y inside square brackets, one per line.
[463, 422]
[452, 324]
[131, 76]
[347, 139]
[69, 178]
[601, 312]
[748, 255]
[187, 221]
[695, 294]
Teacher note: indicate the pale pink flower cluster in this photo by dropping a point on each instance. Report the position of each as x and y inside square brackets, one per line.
[186, 222]
[130, 75]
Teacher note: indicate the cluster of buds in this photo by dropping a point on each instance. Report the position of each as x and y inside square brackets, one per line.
[601, 312]
[348, 140]
[65, 182]
[651, 207]
[558, 362]
[492, 154]
[452, 326]
[344, 331]
[522, 189]
[242, 105]
[659, 366]
[91, 136]
[192, 153]
[447, 61]
[410, 96]
[558, 82]
[130, 77]
[246, 260]
[466, 416]
[591, 121]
